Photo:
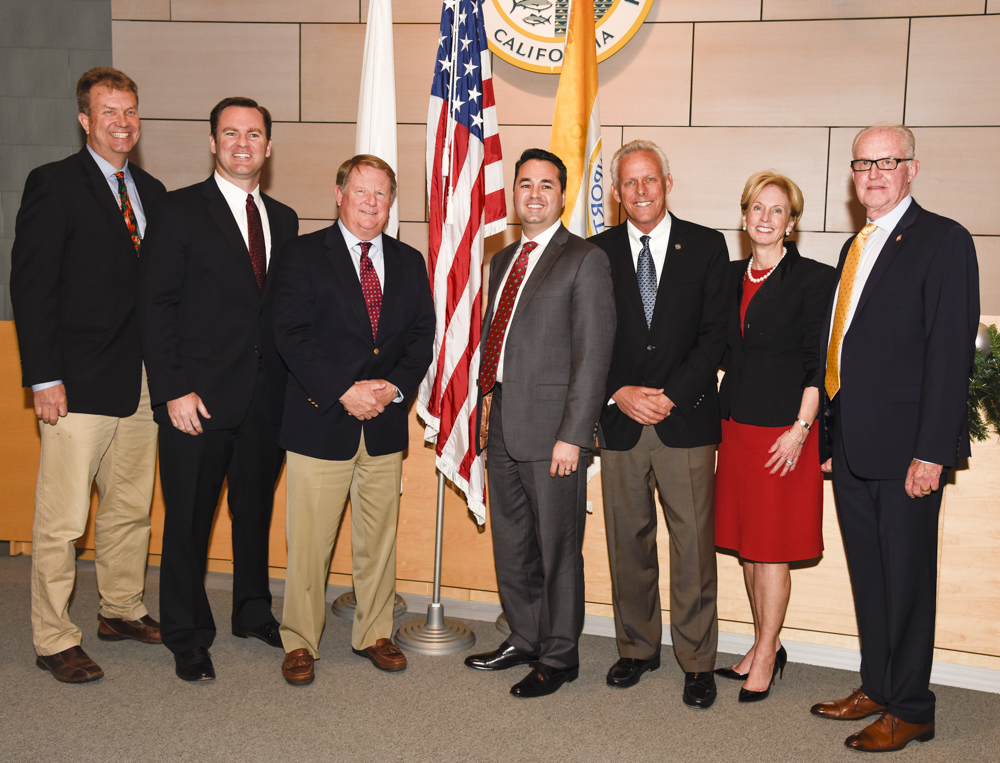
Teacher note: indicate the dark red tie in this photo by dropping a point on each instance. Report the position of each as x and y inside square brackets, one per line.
[370, 286]
[501, 317]
[126, 206]
[255, 234]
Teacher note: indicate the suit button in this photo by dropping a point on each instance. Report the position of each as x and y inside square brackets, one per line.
[376, 350]
[650, 348]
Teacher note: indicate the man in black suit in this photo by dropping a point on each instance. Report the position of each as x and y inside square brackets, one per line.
[898, 344]
[354, 321]
[660, 424]
[216, 382]
[74, 271]
[546, 346]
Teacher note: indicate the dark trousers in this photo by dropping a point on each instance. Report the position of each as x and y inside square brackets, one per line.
[891, 543]
[192, 470]
[538, 523]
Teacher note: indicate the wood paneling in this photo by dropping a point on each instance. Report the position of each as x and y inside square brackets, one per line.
[176, 153]
[710, 166]
[699, 10]
[332, 55]
[988, 253]
[140, 10]
[798, 73]
[856, 9]
[413, 11]
[184, 69]
[824, 247]
[943, 86]
[265, 10]
[415, 51]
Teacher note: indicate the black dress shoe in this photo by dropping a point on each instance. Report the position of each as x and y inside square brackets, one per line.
[628, 670]
[503, 657]
[195, 665]
[699, 689]
[268, 633]
[544, 680]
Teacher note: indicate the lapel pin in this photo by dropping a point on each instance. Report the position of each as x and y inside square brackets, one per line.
[677, 246]
[899, 237]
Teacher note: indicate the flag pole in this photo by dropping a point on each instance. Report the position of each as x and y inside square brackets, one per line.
[436, 635]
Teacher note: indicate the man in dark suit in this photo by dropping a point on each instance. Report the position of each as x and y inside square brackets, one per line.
[216, 382]
[74, 271]
[354, 321]
[546, 346]
[660, 422]
[898, 344]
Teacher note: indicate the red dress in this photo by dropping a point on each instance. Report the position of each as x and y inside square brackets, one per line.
[765, 517]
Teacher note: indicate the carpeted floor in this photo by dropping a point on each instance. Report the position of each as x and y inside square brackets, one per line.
[437, 710]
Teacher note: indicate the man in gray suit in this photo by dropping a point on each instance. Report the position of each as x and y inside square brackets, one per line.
[545, 354]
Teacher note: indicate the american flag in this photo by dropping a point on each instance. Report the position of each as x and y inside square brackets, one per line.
[465, 188]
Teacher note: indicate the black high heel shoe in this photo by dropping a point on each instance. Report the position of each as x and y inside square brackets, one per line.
[780, 660]
[730, 673]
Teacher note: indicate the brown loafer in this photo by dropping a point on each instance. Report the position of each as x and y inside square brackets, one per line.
[857, 705]
[71, 666]
[889, 733]
[384, 655]
[298, 667]
[145, 629]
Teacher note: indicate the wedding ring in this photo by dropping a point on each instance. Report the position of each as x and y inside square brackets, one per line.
[789, 462]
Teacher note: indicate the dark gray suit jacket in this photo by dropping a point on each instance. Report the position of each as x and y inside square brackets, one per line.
[558, 347]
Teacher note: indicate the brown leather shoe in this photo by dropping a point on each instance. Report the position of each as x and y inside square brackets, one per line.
[145, 629]
[71, 666]
[857, 705]
[384, 655]
[889, 733]
[298, 667]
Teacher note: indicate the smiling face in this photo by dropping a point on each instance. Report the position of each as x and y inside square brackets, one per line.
[769, 219]
[538, 197]
[364, 202]
[112, 126]
[240, 146]
[642, 189]
[880, 191]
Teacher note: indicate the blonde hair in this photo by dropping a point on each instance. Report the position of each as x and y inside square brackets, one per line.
[758, 181]
[366, 160]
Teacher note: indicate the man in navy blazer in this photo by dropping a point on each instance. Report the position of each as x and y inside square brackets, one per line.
[216, 382]
[898, 345]
[354, 321]
[74, 275]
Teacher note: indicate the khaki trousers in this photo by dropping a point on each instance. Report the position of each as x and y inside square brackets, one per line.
[119, 456]
[317, 495]
[685, 478]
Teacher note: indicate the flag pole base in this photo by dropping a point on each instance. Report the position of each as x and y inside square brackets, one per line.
[436, 636]
[502, 625]
[345, 604]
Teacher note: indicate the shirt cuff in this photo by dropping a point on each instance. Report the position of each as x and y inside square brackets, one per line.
[45, 385]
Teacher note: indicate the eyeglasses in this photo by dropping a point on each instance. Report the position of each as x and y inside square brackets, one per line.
[863, 165]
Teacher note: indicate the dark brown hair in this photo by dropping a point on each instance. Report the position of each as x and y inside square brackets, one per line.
[246, 103]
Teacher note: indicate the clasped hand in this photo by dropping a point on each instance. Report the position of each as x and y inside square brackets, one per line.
[367, 399]
[643, 404]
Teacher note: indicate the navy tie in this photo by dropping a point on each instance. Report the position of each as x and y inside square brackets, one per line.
[646, 272]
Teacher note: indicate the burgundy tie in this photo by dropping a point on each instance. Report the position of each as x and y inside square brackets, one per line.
[255, 231]
[370, 286]
[501, 317]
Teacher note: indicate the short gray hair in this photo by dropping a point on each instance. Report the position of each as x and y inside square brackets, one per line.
[631, 148]
[901, 131]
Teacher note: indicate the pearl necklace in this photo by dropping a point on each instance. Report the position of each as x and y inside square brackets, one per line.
[763, 278]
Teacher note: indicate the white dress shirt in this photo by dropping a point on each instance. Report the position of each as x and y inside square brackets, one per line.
[659, 237]
[236, 198]
[542, 239]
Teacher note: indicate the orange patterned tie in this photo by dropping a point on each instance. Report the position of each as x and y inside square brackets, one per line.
[126, 205]
[847, 277]
[501, 317]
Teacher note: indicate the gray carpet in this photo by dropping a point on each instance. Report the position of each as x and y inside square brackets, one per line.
[437, 710]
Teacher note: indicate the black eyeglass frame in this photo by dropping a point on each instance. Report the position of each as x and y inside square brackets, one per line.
[877, 163]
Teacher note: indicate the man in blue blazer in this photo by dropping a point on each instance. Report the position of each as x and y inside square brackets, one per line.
[898, 345]
[354, 321]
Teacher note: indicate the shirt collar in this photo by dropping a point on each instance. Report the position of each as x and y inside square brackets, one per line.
[352, 241]
[543, 238]
[890, 220]
[233, 193]
[106, 167]
[659, 237]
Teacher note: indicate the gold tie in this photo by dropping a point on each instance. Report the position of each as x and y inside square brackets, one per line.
[847, 276]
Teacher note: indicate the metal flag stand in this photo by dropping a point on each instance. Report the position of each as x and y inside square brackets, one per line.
[437, 635]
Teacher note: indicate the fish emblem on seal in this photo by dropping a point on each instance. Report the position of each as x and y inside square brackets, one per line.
[532, 5]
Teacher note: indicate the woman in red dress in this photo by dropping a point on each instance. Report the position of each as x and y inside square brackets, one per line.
[768, 486]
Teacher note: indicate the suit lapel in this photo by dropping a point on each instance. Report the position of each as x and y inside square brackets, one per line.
[498, 268]
[770, 288]
[621, 261]
[106, 201]
[392, 270]
[892, 245]
[219, 211]
[340, 259]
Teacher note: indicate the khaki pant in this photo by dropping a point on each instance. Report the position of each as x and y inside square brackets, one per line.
[317, 495]
[119, 456]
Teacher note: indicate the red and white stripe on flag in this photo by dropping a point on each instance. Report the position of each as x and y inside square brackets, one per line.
[465, 189]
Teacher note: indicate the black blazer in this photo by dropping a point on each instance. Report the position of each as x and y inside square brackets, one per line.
[682, 349]
[907, 354]
[776, 356]
[204, 324]
[324, 334]
[73, 283]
